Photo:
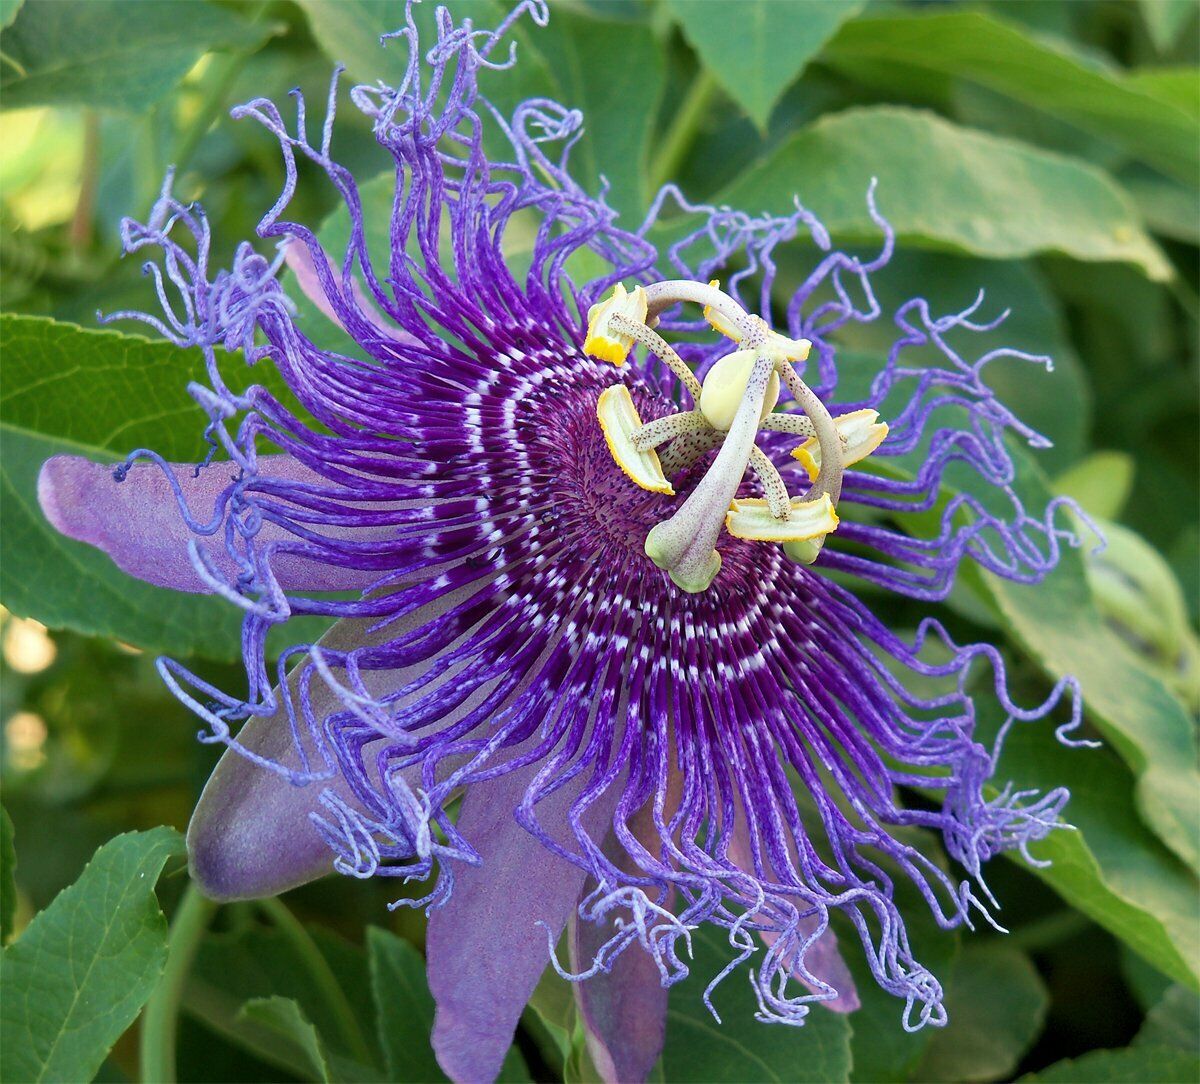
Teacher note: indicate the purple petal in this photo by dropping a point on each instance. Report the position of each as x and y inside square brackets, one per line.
[624, 1011]
[823, 960]
[486, 950]
[300, 260]
[250, 835]
[138, 522]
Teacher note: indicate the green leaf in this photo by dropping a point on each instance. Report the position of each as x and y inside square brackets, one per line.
[1109, 866]
[1101, 483]
[8, 12]
[326, 975]
[1173, 1022]
[1058, 625]
[757, 49]
[978, 48]
[8, 884]
[618, 100]
[997, 1006]
[403, 1008]
[1165, 19]
[98, 394]
[78, 975]
[943, 186]
[741, 1048]
[116, 54]
[284, 1016]
[1133, 1065]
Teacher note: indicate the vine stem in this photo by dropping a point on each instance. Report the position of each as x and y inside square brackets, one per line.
[322, 975]
[682, 132]
[161, 1017]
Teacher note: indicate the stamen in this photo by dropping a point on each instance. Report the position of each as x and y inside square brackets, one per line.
[685, 544]
[773, 485]
[735, 400]
[619, 420]
[754, 519]
[861, 434]
[659, 346]
[606, 342]
[659, 431]
[686, 451]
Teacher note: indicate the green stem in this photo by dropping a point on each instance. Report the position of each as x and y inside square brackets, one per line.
[161, 1016]
[322, 975]
[220, 82]
[682, 132]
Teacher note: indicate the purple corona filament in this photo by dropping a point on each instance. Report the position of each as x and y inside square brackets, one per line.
[629, 755]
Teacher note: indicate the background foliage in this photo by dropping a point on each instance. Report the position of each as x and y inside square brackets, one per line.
[1046, 151]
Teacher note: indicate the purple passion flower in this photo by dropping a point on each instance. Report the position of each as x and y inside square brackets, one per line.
[588, 670]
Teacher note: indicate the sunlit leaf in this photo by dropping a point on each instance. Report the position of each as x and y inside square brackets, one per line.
[118, 54]
[948, 187]
[99, 394]
[979, 48]
[403, 1008]
[757, 49]
[81, 971]
[1165, 19]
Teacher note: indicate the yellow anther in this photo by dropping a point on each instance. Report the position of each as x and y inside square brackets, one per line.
[602, 341]
[751, 518]
[725, 387]
[861, 434]
[619, 420]
[777, 347]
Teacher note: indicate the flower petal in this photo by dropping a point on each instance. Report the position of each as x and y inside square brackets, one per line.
[138, 523]
[250, 835]
[300, 261]
[822, 960]
[486, 948]
[624, 1011]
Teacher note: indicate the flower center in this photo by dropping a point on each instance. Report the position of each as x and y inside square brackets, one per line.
[734, 403]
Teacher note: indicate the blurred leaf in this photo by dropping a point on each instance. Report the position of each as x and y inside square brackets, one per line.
[739, 1048]
[403, 1008]
[1133, 1065]
[977, 47]
[948, 187]
[284, 1016]
[1174, 1021]
[1058, 625]
[997, 1006]
[117, 54]
[1168, 208]
[757, 49]
[1179, 87]
[79, 974]
[99, 394]
[1165, 19]
[1101, 483]
[257, 963]
[1138, 596]
[8, 884]
[8, 12]
[618, 99]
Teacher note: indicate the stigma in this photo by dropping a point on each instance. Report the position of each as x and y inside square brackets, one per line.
[730, 408]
